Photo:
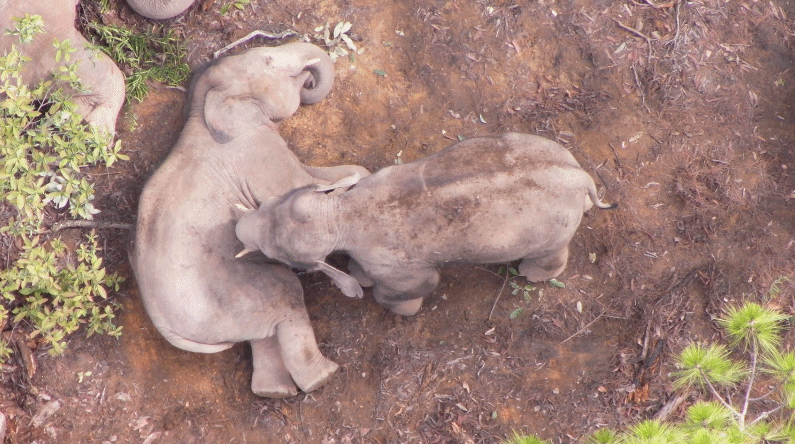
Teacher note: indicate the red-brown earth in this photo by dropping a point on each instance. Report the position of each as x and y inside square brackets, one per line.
[681, 111]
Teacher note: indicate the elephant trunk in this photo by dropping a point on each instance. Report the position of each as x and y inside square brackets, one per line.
[321, 70]
[159, 9]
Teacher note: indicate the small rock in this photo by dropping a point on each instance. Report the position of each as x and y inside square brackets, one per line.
[2, 427]
[45, 412]
[123, 397]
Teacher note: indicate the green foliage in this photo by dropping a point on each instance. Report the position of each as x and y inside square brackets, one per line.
[516, 438]
[60, 294]
[753, 326]
[44, 150]
[762, 412]
[337, 41]
[237, 4]
[155, 55]
[707, 364]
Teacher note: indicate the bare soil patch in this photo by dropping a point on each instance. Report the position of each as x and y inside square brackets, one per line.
[682, 112]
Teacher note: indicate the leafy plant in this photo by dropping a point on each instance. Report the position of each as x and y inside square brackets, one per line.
[336, 40]
[764, 377]
[516, 438]
[155, 55]
[44, 148]
[237, 4]
[59, 294]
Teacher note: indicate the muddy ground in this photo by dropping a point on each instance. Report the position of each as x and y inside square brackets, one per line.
[682, 112]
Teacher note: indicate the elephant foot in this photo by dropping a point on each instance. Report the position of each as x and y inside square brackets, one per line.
[308, 368]
[544, 268]
[270, 379]
[324, 372]
[406, 308]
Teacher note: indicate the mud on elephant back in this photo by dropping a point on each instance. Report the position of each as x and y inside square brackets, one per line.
[198, 295]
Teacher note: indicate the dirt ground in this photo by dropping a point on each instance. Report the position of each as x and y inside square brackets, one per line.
[681, 111]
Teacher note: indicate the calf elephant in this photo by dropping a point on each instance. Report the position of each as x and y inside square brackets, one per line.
[484, 200]
[198, 296]
[103, 90]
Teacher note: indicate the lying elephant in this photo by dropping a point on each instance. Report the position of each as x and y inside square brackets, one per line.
[485, 200]
[160, 9]
[198, 296]
[103, 83]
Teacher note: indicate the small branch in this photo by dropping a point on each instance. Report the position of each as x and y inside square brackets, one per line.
[639, 34]
[618, 161]
[584, 328]
[504, 283]
[717, 395]
[251, 35]
[65, 225]
[670, 406]
[765, 415]
[754, 358]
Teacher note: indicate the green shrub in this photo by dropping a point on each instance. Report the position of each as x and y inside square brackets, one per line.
[44, 149]
[762, 385]
[153, 55]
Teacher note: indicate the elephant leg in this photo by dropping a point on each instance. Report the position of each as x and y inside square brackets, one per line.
[539, 269]
[358, 273]
[406, 298]
[270, 379]
[307, 366]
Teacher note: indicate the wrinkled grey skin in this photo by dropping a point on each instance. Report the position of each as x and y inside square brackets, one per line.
[101, 78]
[484, 200]
[197, 294]
[160, 9]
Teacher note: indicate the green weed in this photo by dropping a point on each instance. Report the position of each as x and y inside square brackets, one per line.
[154, 55]
[44, 149]
[764, 378]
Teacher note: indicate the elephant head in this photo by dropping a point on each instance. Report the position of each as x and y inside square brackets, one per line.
[160, 9]
[260, 86]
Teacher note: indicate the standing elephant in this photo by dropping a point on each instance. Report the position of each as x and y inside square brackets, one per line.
[197, 294]
[160, 9]
[484, 200]
[103, 90]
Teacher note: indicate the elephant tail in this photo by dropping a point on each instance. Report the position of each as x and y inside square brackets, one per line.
[595, 197]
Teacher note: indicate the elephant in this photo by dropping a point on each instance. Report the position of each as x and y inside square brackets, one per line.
[483, 200]
[102, 94]
[160, 9]
[198, 296]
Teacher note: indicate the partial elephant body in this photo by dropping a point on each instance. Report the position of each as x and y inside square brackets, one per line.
[160, 9]
[100, 102]
[198, 295]
[484, 200]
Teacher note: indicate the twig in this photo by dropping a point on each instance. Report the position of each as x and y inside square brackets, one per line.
[64, 225]
[251, 35]
[662, 6]
[671, 406]
[751, 377]
[618, 161]
[766, 414]
[639, 34]
[494, 305]
[718, 396]
[640, 89]
[584, 328]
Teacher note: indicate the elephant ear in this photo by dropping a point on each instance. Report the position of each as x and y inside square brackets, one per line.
[228, 116]
[348, 285]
